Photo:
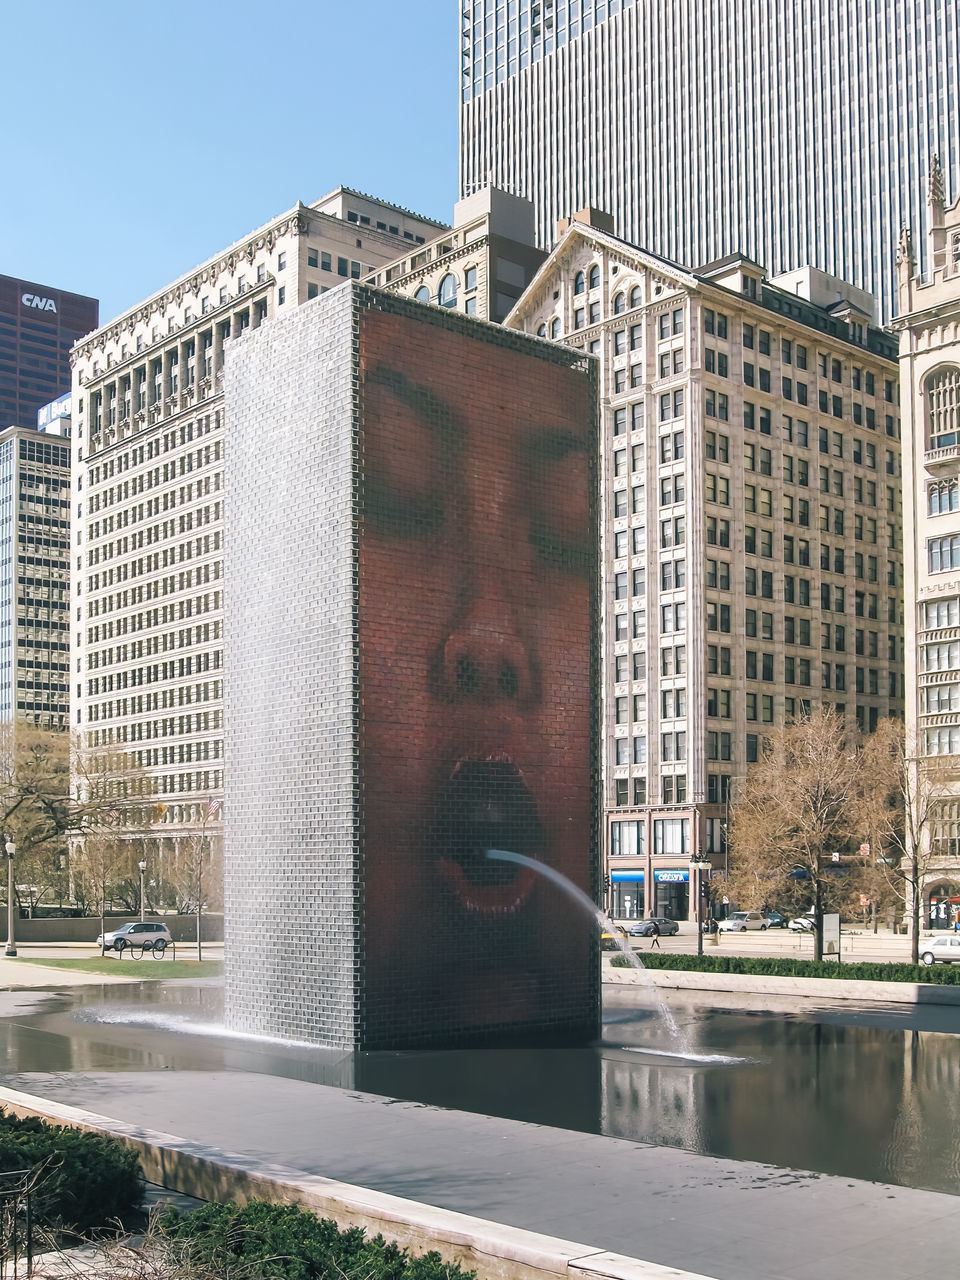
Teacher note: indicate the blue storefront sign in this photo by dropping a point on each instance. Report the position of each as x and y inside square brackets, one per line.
[627, 877]
[671, 875]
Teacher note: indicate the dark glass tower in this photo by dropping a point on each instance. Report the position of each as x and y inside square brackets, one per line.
[38, 326]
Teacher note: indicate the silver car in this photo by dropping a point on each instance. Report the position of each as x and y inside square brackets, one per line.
[943, 949]
[739, 921]
[141, 933]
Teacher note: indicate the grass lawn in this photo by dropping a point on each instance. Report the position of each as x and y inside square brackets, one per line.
[146, 968]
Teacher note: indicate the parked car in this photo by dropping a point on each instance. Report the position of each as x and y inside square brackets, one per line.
[739, 921]
[644, 928]
[944, 949]
[141, 933]
[775, 920]
[807, 923]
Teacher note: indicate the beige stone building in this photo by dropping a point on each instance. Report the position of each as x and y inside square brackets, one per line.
[147, 588]
[929, 325]
[751, 529]
[481, 266]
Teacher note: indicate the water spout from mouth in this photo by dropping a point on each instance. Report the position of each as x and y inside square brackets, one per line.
[601, 919]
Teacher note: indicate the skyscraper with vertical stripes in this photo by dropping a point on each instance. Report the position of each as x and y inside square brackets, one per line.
[793, 133]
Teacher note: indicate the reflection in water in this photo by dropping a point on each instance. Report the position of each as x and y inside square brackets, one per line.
[830, 1089]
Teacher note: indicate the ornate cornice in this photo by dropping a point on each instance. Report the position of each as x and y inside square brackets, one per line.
[296, 223]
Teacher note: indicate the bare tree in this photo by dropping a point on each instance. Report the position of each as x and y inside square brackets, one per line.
[797, 807]
[902, 794]
[111, 813]
[198, 873]
[35, 811]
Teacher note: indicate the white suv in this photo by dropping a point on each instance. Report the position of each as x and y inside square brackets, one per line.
[142, 933]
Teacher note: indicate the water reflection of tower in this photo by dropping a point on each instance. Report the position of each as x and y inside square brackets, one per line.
[648, 1102]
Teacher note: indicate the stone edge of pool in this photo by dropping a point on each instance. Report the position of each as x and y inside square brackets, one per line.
[494, 1250]
[823, 988]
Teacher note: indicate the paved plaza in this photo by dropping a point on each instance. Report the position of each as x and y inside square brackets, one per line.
[728, 1219]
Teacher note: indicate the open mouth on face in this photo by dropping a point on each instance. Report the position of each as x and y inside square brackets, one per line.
[485, 804]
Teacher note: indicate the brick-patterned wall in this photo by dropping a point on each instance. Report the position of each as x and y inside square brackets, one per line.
[425, 661]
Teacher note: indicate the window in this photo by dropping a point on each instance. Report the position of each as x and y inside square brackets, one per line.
[579, 282]
[943, 553]
[447, 295]
[673, 575]
[943, 408]
[718, 532]
[619, 304]
[671, 404]
[718, 660]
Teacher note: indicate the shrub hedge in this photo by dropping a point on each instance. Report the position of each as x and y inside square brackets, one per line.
[285, 1242]
[84, 1181]
[781, 967]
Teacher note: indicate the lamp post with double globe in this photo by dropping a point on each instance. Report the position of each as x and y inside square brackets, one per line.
[143, 868]
[699, 867]
[11, 948]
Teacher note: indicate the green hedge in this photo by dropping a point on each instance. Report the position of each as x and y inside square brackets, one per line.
[84, 1180]
[284, 1242]
[947, 975]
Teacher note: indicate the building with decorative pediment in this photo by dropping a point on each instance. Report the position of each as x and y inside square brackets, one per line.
[752, 541]
[929, 325]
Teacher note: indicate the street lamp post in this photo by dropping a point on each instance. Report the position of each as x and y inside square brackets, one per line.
[11, 947]
[698, 868]
[143, 867]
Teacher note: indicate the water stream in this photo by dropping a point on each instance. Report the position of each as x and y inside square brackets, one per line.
[606, 925]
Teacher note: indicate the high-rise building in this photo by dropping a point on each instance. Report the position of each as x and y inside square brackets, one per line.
[38, 326]
[35, 573]
[147, 536]
[751, 529]
[929, 325]
[795, 133]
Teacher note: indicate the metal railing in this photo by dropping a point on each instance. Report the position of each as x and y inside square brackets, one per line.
[16, 1224]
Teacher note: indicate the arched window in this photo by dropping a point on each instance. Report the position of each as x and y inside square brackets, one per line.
[594, 277]
[619, 304]
[447, 297]
[635, 299]
[944, 497]
[542, 331]
[555, 327]
[579, 282]
[422, 294]
[943, 408]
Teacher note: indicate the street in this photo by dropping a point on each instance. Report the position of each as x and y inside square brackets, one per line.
[858, 944]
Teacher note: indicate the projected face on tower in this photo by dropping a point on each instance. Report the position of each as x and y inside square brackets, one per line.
[476, 559]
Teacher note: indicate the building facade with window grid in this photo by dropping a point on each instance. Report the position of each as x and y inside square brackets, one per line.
[147, 602]
[929, 325]
[34, 576]
[795, 133]
[751, 529]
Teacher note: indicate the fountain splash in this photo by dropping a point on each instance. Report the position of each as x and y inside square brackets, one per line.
[606, 925]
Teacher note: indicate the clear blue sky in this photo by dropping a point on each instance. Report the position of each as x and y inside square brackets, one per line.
[137, 139]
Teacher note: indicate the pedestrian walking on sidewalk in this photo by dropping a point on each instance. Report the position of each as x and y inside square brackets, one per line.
[655, 934]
